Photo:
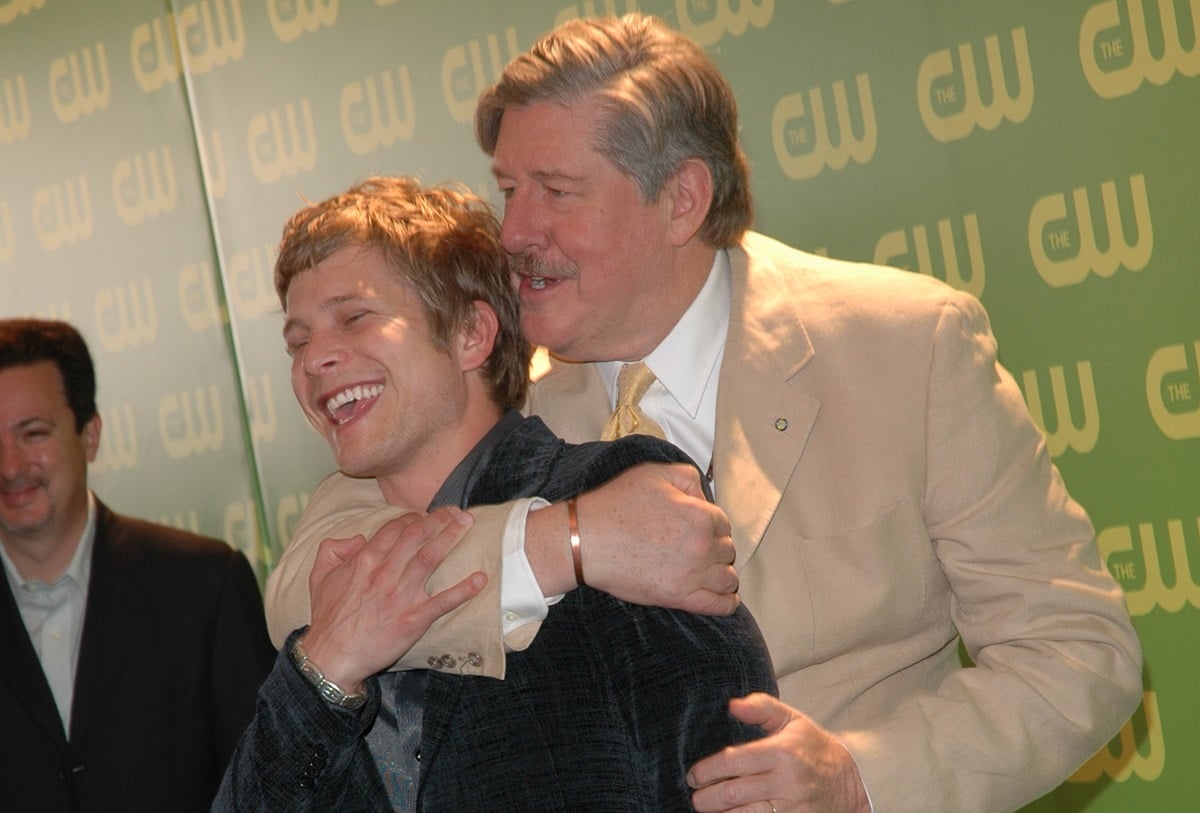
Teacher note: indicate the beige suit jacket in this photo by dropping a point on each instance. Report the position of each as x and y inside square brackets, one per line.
[888, 492]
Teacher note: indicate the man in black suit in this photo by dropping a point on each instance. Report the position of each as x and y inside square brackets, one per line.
[130, 653]
[407, 358]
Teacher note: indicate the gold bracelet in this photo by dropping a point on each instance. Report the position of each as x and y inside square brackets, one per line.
[576, 553]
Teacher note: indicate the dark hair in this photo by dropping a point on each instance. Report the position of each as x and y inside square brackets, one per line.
[444, 242]
[664, 102]
[29, 341]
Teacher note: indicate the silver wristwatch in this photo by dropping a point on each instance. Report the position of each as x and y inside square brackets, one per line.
[329, 690]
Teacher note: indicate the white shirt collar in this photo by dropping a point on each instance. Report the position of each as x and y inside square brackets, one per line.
[686, 360]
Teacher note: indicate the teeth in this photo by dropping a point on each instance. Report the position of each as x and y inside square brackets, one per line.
[537, 283]
[351, 394]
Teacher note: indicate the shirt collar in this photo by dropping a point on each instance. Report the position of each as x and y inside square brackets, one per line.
[684, 361]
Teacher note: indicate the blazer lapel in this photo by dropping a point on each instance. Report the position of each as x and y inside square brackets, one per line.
[110, 624]
[763, 417]
[21, 671]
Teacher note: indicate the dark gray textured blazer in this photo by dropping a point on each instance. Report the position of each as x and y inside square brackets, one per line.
[174, 648]
[605, 711]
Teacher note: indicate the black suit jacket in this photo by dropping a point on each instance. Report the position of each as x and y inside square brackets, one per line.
[174, 647]
[605, 711]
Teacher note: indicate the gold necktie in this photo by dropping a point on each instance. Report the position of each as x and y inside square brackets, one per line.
[628, 418]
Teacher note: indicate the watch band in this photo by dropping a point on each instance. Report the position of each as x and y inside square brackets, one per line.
[330, 691]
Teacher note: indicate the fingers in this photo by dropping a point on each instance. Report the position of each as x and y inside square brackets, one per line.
[456, 595]
[412, 527]
[748, 759]
[444, 529]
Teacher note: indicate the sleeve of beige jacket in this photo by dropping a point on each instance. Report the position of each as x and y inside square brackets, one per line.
[1057, 664]
[467, 640]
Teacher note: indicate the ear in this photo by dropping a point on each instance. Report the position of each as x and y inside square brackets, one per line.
[690, 194]
[91, 437]
[477, 336]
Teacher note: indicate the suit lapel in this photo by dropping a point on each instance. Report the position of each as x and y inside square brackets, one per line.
[763, 417]
[21, 671]
[111, 622]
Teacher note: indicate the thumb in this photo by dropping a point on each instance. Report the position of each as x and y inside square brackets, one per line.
[763, 710]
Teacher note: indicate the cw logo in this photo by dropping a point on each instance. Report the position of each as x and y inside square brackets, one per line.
[260, 403]
[588, 8]
[722, 18]
[154, 53]
[371, 115]
[1117, 55]
[118, 442]
[894, 249]
[792, 134]
[126, 317]
[198, 302]
[1117, 548]
[463, 77]
[7, 246]
[1067, 434]
[1128, 759]
[287, 514]
[211, 44]
[62, 213]
[154, 45]
[14, 111]
[183, 521]
[276, 153]
[242, 524]
[188, 425]
[14, 8]
[297, 19]
[1065, 251]
[952, 105]
[79, 84]
[1174, 404]
[251, 288]
[144, 186]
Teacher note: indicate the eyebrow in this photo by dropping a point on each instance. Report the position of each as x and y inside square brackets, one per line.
[542, 175]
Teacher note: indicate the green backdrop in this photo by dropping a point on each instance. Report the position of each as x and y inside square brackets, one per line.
[1042, 155]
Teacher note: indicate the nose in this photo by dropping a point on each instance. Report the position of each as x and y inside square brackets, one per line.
[321, 354]
[11, 459]
[523, 227]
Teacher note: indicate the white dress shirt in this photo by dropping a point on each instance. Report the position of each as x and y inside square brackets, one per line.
[53, 615]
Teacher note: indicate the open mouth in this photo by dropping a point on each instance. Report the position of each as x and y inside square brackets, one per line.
[351, 402]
